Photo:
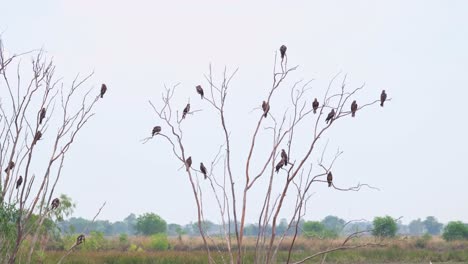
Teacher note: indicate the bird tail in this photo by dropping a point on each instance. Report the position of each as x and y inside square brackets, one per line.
[353, 114]
[315, 111]
[102, 96]
[329, 184]
[265, 115]
[381, 104]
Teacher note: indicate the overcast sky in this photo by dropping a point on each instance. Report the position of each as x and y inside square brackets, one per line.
[414, 149]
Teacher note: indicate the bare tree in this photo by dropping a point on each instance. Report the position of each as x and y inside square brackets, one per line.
[298, 170]
[40, 118]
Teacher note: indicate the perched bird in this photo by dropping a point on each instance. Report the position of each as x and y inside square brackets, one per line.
[330, 116]
[10, 166]
[200, 91]
[186, 110]
[80, 239]
[19, 182]
[42, 115]
[156, 130]
[279, 165]
[353, 108]
[283, 51]
[55, 203]
[329, 179]
[266, 108]
[203, 169]
[103, 90]
[315, 105]
[188, 162]
[37, 137]
[383, 97]
[284, 157]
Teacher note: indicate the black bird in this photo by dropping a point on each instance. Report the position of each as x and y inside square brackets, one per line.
[10, 166]
[330, 116]
[188, 162]
[186, 110]
[279, 165]
[266, 108]
[383, 97]
[156, 130]
[80, 239]
[329, 179]
[284, 157]
[200, 91]
[354, 108]
[37, 137]
[55, 203]
[203, 169]
[103, 90]
[42, 115]
[283, 51]
[315, 105]
[19, 182]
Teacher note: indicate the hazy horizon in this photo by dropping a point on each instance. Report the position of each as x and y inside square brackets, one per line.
[413, 149]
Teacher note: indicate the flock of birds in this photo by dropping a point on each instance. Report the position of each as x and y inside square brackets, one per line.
[266, 107]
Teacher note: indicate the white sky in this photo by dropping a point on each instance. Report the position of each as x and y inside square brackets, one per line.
[413, 149]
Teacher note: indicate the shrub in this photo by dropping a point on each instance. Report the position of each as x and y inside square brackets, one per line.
[384, 227]
[159, 242]
[455, 230]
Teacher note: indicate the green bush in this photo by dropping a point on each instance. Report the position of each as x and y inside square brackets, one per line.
[159, 242]
[422, 241]
[384, 227]
[455, 230]
[149, 224]
[317, 229]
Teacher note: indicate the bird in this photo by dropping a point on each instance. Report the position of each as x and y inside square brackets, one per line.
[330, 116]
[203, 169]
[279, 165]
[186, 110]
[329, 179]
[55, 203]
[315, 105]
[19, 182]
[188, 162]
[156, 130]
[80, 239]
[383, 97]
[283, 49]
[42, 115]
[103, 90]
[37, 137]
[284, 157]
[266, 108]
[10, 166]
[354, 108]
[200, 91]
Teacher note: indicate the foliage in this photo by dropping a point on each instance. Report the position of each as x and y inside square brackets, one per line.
[333, 223]
[317, 229]
[384, 227]
[149, 224]
[433, 227]
[8, 216]
[455, 230]
[423, 241]
[416, 227]
[159, 242]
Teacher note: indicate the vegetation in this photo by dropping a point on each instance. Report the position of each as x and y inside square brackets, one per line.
[384, 227]
[149, 224]
[455, 230]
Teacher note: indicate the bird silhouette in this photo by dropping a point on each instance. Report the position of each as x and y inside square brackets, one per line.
[330, 116]
[19, 182]
[188, 162]
[200, 91]
[329, 179]
[354, 108]
[80, 239]
[266, 108]
[156, 130]
[42, 115]
[203, 169]
[103, 90]
[279, 165]
[37, 137]
[10, 166]
[284, 157]
[315, 105]
[383, 97]
[283, 49]
[186, 110]
[55, 203]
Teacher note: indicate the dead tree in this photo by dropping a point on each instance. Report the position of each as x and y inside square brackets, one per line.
[293, 171]
[38, 112]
